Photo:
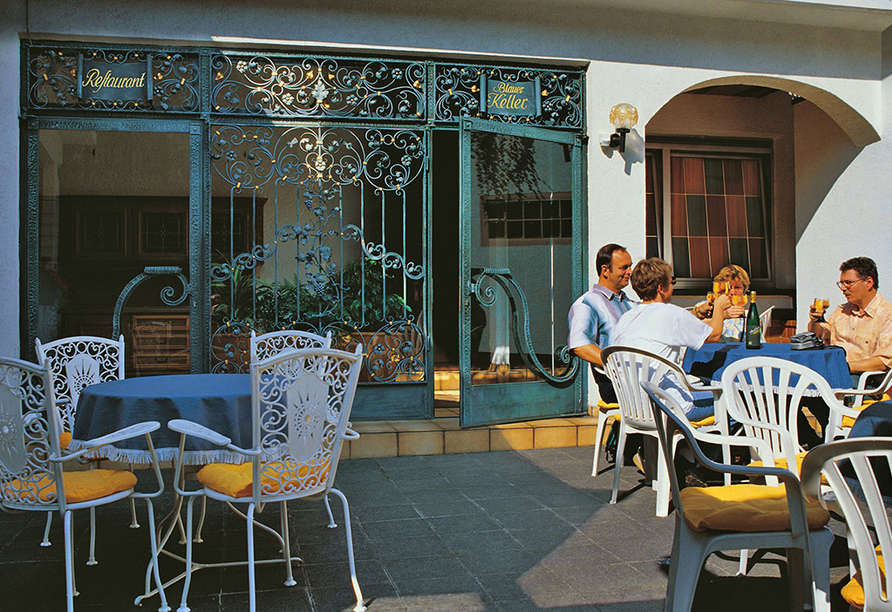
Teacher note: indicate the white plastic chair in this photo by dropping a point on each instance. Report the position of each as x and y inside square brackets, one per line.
[860, 499]
[272, 343]
[808, 555]
[840, 422]
[764, 394]
[74, 363]
[765, 321]
[300, 402]
[31, 475]
[627, 368]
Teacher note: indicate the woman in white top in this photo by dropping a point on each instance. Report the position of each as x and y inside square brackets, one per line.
[659, 327]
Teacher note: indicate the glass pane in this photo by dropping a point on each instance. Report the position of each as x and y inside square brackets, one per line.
[754, 220]
[536, 177]
[696, 215]
[112, 203]
[681, 265]
[715, 182]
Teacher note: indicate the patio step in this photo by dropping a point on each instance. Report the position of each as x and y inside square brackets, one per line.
[443, 436]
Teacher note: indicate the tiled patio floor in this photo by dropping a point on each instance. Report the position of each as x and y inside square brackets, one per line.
[499, 531]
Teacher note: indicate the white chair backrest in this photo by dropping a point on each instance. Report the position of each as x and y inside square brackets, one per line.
[627, 368]
[77, 362]
[271, 344]
[765, 320]
[858, 471]
[301, 401]
[769, 390]
[27, 439]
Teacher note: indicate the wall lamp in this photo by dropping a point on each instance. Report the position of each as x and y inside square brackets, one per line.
[623, 116]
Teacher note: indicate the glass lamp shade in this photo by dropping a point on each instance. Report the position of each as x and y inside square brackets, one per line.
[624, 116]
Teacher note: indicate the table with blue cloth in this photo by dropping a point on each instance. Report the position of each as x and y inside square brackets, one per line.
[221, 402]
[710, 361]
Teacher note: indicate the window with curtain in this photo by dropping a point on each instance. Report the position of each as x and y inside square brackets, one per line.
[707, 208]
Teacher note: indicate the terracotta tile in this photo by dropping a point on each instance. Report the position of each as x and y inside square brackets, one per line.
[374, 445]
[517, 438]
[554, 437]
[420, 443]
[373, 427]
[418, 425]
[345, 450]
[551, 423]
[447, 380]
[448, 424]
[467, 441]
[586, 420]
[521, 425]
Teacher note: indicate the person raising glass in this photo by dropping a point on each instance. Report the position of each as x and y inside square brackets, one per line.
[735, 282]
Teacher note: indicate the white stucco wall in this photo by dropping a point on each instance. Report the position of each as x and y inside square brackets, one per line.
[632, 56]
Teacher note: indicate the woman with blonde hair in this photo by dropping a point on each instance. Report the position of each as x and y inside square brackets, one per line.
[738, 284]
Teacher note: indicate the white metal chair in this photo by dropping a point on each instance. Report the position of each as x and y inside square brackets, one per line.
[72, 364]
[628, 368]
[31, 475]
[741, 516]
[272, 343]
[300, 401]
[858, 472]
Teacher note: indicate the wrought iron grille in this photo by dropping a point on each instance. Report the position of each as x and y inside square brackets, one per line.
[340, 217]
[53, 79]
[457, 93]
[318, 87]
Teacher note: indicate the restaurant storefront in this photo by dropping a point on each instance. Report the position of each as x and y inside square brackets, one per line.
[432, 211]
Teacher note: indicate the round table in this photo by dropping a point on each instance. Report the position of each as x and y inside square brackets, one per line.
[711, 359]
[221, 402]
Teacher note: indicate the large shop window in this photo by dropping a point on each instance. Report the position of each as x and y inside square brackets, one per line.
[707, 207]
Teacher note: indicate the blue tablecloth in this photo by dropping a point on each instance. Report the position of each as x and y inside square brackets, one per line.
[219, 401]
[712, 359]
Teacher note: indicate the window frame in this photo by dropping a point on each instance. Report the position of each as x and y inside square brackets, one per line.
[663, 150]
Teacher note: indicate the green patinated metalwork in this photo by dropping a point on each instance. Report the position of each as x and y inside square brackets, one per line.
[248, 117]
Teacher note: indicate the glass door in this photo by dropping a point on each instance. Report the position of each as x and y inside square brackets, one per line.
[520, 239]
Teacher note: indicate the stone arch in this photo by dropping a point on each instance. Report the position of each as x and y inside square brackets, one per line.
[853, 123]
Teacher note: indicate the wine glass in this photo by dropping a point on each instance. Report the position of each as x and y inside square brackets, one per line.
[739, 300]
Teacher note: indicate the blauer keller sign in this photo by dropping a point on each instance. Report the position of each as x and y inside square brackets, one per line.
[515, 98]
[100, 79]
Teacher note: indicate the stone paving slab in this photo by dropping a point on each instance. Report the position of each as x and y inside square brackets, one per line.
[504, 531]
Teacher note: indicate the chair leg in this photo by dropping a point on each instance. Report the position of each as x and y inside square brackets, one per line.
[165, 607]
[331, 521]
[662, 486]
[92, 559]
[69, 560]
[360, 604]
[620, 449]
[286, 537]
[184, 607]
[683, 577]
[820, 542]
[204, 510]
[134, 524]
[599, 435]
[252, 595]
[744, 562]
[46, 531]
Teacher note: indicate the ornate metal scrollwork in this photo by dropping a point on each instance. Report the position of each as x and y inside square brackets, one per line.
[520, 324]
[457, 94]
[318, 87]
[168, 294]
[53, 79]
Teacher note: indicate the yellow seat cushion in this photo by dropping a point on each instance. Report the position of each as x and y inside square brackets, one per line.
[287, 476]
[781, 462]
[853, 592]
[64, 439]
[80, 486]
[743, 507]
[848, 421]
[710, 420]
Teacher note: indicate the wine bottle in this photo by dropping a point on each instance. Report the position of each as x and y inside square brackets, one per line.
[752, 326]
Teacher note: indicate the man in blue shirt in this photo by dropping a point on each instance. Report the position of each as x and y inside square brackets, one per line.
[594, 315]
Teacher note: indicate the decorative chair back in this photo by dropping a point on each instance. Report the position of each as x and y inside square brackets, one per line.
[77, 362]
[769, 391]
[627, 368]
[301, 402]
[859, 471]
[28, 479]
[273, 343]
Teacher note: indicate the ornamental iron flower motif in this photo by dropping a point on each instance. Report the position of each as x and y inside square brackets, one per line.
[320, 92]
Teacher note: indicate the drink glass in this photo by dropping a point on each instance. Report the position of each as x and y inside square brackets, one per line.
[710, 297]
[739, 300]
[719, 287]
[821, 305]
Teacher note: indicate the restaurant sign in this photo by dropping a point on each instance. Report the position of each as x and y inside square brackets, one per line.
[100, 79]
[515, 98]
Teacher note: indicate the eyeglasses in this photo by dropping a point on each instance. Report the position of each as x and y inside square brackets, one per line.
[845, 284]
[673, 280]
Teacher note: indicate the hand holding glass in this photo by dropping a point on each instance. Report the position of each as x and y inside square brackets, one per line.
[821, 305]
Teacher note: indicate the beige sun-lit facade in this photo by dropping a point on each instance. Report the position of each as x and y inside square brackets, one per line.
[801, 91]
